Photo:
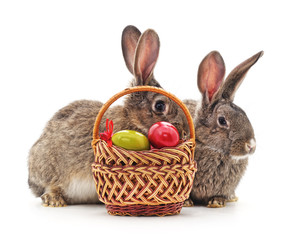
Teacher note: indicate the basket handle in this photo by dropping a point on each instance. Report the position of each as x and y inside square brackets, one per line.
[142, 89]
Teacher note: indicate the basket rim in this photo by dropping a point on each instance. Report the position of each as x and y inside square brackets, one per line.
[146, 152]
[95, 141]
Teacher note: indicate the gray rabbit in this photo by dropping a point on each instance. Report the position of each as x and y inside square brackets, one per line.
[60, 161]
[224, 135]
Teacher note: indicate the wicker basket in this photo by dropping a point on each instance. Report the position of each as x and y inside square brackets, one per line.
[151, 182]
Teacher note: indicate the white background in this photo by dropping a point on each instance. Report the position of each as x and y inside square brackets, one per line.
[55, 52]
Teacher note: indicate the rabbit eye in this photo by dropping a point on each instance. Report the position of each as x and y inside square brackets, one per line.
[222, 121]
[160, 106]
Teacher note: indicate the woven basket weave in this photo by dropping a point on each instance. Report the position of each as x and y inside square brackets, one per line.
[151, 182]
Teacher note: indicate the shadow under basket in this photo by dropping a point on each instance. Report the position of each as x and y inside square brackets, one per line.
[143, 183]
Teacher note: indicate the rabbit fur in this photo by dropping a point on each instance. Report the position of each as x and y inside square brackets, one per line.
[60, 161]
[224, 135]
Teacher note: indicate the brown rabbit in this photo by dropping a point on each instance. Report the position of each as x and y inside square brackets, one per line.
[60, 161]
[224, 135]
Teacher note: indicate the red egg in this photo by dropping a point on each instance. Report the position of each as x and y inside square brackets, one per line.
[163, 134]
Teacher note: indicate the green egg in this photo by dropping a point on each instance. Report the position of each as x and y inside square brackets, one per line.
[131, 140]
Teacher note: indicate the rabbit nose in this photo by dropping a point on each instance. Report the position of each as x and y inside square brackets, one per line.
[251, 146]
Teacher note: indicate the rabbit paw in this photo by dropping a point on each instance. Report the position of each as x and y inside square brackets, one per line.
[53, 200]
[188, 203]
[232, 198]
[217, 202]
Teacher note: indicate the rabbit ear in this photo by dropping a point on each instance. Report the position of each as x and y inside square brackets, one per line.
[236, 77]
[130, 37]
[211, 72]
[146, 56]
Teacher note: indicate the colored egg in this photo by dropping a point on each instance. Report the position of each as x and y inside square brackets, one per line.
[131, 140]
[163, 134]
